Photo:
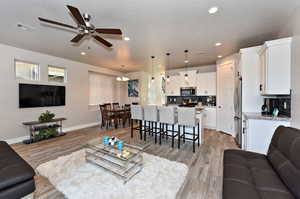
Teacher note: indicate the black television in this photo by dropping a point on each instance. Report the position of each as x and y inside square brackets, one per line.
[33, 95]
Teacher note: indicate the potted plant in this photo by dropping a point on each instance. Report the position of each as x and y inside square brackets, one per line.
[47, 116]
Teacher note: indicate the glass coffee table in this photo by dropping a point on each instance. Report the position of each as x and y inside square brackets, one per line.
[124, 165]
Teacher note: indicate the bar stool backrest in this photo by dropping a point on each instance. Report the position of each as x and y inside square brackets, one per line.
[187, 117]
[167, 115]
[137, 112]
[151, 113]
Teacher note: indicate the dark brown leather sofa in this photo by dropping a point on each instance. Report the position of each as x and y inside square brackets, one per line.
[16, 175]
[250, 175]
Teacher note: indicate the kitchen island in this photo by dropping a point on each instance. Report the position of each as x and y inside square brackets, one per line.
[199, 116]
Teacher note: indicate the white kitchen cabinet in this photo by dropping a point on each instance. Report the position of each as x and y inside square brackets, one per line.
[210, 118]
[190, 81]
[259, 134]
[173, 86]
[275, 63]
[206, 83]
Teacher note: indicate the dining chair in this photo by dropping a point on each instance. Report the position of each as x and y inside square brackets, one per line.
[187, 119]
[127, 113]
[107, 119]
[115, 105]
[119, 115]
[168, 118]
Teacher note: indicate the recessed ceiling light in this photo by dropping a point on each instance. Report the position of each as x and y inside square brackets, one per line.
[186, 61]
[218, 44]
[126, 38]
[213, 10]
[220, 56]
[83, 53]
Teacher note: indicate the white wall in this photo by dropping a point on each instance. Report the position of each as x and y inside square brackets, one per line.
[77, 92]
[293, 28]
[143, 78]
[103, 89]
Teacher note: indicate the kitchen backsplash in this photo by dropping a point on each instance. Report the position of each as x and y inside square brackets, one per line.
[206, 100]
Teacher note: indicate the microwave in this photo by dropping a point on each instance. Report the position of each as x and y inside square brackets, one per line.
[188, 91]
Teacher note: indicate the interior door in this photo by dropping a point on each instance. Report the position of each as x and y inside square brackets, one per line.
[225, 98]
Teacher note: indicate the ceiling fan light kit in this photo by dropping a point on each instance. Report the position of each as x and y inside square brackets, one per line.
[84, 27]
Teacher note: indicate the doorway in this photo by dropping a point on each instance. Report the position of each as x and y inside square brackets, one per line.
[225, 97]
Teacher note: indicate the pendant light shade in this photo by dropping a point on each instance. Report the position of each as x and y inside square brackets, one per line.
[186, 61]
[152, 60]
[167, 65]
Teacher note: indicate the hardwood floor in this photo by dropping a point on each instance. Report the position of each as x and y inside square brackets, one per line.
[204, 180]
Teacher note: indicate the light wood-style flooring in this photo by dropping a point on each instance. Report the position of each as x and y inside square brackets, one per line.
[204, 180]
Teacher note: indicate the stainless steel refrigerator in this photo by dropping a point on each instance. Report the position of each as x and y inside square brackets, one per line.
[238, 121]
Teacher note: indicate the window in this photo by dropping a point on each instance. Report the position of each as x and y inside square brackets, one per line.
[103, 89]
[27, 70]
[56, 74]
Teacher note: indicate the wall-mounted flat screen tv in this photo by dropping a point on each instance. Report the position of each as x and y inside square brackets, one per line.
[33, 95]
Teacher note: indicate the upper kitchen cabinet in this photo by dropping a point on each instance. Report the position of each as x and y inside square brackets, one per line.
[275, 63]
[173, 85]
[190, 81]
[206, 83]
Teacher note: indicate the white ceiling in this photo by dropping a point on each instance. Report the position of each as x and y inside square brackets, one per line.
[154, 26]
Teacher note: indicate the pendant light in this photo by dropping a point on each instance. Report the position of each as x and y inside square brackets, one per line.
[186, 61]
[168, 62]
[122, 78]
[152, 60]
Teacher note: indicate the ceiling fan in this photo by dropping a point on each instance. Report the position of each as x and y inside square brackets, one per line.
[84, 27]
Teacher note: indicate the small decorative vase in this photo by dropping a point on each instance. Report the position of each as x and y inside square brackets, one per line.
[105, 140]
[120, 146]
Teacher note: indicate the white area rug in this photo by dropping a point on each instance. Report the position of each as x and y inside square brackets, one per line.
[76, 179]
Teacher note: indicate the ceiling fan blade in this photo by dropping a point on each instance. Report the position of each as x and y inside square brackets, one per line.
[109, 31]
[106, 43]
[77, 38]
[56, 23]
[76, 14]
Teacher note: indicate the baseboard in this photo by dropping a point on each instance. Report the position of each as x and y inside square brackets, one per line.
[78, 127]
[209, 127]
[17, 140]
[73, 128]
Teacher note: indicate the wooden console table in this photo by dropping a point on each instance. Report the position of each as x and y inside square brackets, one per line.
[36, 126]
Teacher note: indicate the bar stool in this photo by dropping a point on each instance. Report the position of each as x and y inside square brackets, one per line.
[151, 116]
[137, 113]
[187, 118]
[167, 116]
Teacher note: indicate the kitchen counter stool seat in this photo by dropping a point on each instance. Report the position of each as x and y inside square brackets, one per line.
[167, 118]
[137, 114]
[151, 116]
[187, 118]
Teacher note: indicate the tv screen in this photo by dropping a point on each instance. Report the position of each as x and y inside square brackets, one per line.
[32, 95]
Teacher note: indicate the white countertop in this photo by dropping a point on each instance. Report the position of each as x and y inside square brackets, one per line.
[259, 116]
